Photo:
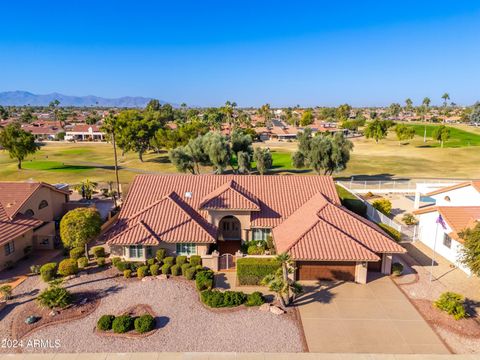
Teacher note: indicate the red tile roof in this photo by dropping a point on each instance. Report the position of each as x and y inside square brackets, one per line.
[12, 228]
[85, 128]
[230, 196]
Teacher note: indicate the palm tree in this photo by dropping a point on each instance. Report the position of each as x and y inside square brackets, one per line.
[425, 105]
[86, 189]
[280, 283]
[109, 126]
[266, 112]
[408, 104]
[445, 98]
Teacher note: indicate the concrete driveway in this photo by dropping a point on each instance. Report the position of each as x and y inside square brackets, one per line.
[372, 318]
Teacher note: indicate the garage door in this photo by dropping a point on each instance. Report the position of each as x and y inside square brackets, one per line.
[325, 270]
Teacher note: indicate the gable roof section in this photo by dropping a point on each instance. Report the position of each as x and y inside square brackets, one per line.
[169, 219]
[320, 230]
[14, 194]
[13, 228]
[230, 196]
[474, 184]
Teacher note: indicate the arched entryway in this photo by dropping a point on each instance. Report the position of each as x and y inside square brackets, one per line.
[229, 235]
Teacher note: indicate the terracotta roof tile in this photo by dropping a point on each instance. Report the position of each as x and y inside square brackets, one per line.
[12, 228]
[230, 196]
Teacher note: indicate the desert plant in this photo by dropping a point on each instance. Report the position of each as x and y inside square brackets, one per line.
[98, 251]
[82, 262]
[55, 296]
[127, 274]
[48, 271]
[6, 292]
[151, 261]
[122, 324]
[154, 269]
[161, 253]
[35, 269]
[166, 269]
[452, 304]
[123, 265]
[144, 323]
[77, 252]
[409, 219]
[255, 299]
[195, 260]
[105, 322]
[116, 260]
[170, 260]
[68, 267]
[101, 261]
[397, 269]
[142, 271]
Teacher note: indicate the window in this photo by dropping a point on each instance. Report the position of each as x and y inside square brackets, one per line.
[9, 248]
[260, 234]
[149, 251]
[135, 251]
[43, 204]
[186, 249]
[447, 241]
[29, 213]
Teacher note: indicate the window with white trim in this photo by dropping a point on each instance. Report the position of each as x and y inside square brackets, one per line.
[447, 241]
[135, 251]
[186, 249]
[260, 234]
[9, 248]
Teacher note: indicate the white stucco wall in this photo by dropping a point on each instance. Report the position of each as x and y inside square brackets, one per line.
[427, 229]
[465, 196]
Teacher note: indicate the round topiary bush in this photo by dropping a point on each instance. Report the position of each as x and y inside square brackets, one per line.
[184, 268]
[68, 267]
[101, 261]
[161, 253]
[82, 262]
[123, 265]
[144, 323]
[170, 260]
[397, 269]
[105, 322]
[122, 324]
[151, 262]
[77, 253]
[175, 270]
[98, 252]
[154, 269]
[142, 271]
[181, 259]
[127, 274]
[48, 271]
[195, 260]
[116, 260]
[166, 269]
[190, 273]
[255, 299]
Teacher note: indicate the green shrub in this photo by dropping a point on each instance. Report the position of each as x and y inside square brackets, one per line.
[127, 274]
[180, 260]
[154, 269]
[161, 253]
[144, 323]
[68, 267]
[35, 269]
[397, 269]
[195, 260]
[185, 267]
[199, 268]
[255, 299]
[204, 280]
[82, 262]
[6, 292]
[176, 270]
[54, 297]
[105, 322]
[166, 269]
[151, 262]
[216, 298]
[116, 260]
[269, 244]
[123, 265]
[251, 271]
[452, 304]
[77, 252]
[142, 271]
[134, 266]
[101, 261]
[383, 205]
[255, 250]
[122, 324]
[48, 271]
[394, 234]
[169, 260]
[190, 273]
[98, 251]
[409, 219]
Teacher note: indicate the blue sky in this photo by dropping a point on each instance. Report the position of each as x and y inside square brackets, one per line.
[252, 52]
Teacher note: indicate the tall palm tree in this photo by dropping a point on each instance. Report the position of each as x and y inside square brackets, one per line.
[445, 98]
[109, 126]
[408, 104]
[425, 104]
[266, 112]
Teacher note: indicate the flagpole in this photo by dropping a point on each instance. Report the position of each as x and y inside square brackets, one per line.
[434, 246]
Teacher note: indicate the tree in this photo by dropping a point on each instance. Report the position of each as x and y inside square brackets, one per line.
[196, 150]
[86, 189]
[79, 226]
[342, 113]
[404, 132]
[394, 109]
[243, 160]
[110, 128]
[441, 134]
[307, 118]
[153, 105]
[475, 114]
[470, 251]
[182, 160]
[377, 130]
[445, 98]
[426, 102]
[218, 150]
[280, 283]
[266, 112]
[408, 104]
[3, 113]
[17, 142]
[27, 115]
[263, 159]
[241, 142]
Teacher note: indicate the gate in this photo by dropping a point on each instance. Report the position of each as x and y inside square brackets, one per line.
[226, 262]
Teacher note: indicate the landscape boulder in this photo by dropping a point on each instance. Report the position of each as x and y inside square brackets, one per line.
[276, 310]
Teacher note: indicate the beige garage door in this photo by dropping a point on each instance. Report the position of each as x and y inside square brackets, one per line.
[325, 270]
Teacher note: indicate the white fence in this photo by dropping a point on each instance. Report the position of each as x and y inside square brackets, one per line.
[391, 186]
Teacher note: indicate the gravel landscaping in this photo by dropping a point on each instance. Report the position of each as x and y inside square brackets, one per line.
[183, 323]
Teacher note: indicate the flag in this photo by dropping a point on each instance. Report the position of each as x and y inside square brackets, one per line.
[441, 222]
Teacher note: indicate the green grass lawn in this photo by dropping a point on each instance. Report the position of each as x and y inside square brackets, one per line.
[458, 137]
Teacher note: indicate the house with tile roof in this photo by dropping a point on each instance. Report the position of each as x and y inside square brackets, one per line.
[459, 207]
[28, 214]
[84, 132]
[198, 214]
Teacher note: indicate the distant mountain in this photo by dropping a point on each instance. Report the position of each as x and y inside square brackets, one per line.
[21, 98]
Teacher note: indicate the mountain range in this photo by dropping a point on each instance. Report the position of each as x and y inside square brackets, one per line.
[22, 98]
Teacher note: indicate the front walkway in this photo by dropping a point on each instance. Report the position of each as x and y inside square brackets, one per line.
[371, 318]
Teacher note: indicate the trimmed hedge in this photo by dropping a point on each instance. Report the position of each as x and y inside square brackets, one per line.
[101, 261]
[144, 323]
[98, 252]
[181, 259]
[68, 267]
[161, 253]
[154, 269]
[195, 260]
[127, 274]
[77, 252]
[185, 267]
[176, 270]
[142, 271]
[169, 260]
[123, 265]
[122, 324]
[48, 271]
[251, 271]
[391, 231]
[204, 280]
[105, 322]
[166, 269]
[151, 262]
[82, 262]
[216, 298]
[190, 273]
[116, 260]
[255, 299]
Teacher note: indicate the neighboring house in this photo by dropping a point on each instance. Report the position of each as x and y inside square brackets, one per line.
[194, 214]
[82, 132]
[28, 212]
[459, 206]
[47, 130]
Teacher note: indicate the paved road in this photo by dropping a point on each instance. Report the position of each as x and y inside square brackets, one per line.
[372, 318]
